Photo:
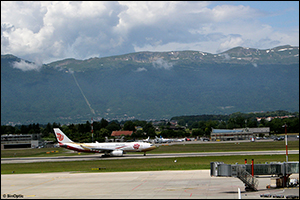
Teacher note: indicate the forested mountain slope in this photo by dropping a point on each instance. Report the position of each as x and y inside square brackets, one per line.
[151, 85]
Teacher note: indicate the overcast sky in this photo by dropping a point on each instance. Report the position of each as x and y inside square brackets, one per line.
[44, 32]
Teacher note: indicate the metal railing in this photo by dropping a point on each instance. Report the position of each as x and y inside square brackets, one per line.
[250, 181]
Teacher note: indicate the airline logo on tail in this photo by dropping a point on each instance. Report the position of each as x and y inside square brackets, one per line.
[60, 137]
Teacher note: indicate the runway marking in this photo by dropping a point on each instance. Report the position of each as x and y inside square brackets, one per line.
[32, 185]
[139, 185]
[187, 192]
[52, 179]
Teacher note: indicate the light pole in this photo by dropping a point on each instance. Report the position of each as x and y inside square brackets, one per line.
[286, 147]
[92, 130]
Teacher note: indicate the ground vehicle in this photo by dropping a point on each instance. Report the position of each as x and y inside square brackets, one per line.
[279, 138]
[293, 182]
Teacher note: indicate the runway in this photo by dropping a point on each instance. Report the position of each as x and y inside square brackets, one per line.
[138, 156]
[188, 184]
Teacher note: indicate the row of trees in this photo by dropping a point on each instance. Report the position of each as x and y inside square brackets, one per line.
[103, 128]
[82, 132]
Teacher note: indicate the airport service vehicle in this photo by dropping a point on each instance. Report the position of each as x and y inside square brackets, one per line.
[109, 149]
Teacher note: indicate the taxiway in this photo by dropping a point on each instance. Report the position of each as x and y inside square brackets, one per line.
[188, 184]
[138, 156]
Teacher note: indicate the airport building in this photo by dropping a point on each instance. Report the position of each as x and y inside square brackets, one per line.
[21, 141]
[238, 134]
[265, 131]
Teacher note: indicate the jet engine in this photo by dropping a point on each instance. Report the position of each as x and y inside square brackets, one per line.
[116, 153]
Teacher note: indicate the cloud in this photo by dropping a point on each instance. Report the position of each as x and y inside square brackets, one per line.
[141, 69]
[226, 56]
[51, 31]
[25, 66]
[66, 29]
[161, 64]
[230, 43]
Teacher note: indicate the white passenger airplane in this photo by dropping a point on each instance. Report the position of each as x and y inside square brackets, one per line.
[162, 140]
[111, 148]
[149, 140]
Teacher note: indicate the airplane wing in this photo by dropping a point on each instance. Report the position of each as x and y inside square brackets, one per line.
[101, 148]
[97, 148]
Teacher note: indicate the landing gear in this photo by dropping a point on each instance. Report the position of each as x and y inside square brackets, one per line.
[144, 153]
[105, 155]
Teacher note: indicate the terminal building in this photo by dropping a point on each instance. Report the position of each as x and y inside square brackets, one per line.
[21, 141]
[238, 134]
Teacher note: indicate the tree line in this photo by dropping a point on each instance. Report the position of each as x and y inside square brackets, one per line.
[82, 132]
[185, 127]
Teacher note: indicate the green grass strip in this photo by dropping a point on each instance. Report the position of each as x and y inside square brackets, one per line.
[149, 164]
[222, 147]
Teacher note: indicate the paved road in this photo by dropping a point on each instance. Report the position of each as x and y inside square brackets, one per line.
[177, 184]
[139, 156]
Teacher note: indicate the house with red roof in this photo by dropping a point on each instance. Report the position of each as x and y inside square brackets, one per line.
[119, 133]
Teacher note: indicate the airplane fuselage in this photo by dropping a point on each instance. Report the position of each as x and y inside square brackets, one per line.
[92, 147]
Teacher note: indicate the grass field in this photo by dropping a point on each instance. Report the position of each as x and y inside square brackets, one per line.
[150, 164]
[220, 147]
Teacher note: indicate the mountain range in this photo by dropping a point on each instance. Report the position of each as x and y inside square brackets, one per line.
[150, 85]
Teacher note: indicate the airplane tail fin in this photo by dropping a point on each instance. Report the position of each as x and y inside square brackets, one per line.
[61, 137]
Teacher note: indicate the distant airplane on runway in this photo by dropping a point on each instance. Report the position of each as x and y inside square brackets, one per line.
[149, 140]
[179, 140]
[162, 140]
[111, 149]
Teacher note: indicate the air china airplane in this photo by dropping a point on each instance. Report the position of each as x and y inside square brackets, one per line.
[109, 149]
